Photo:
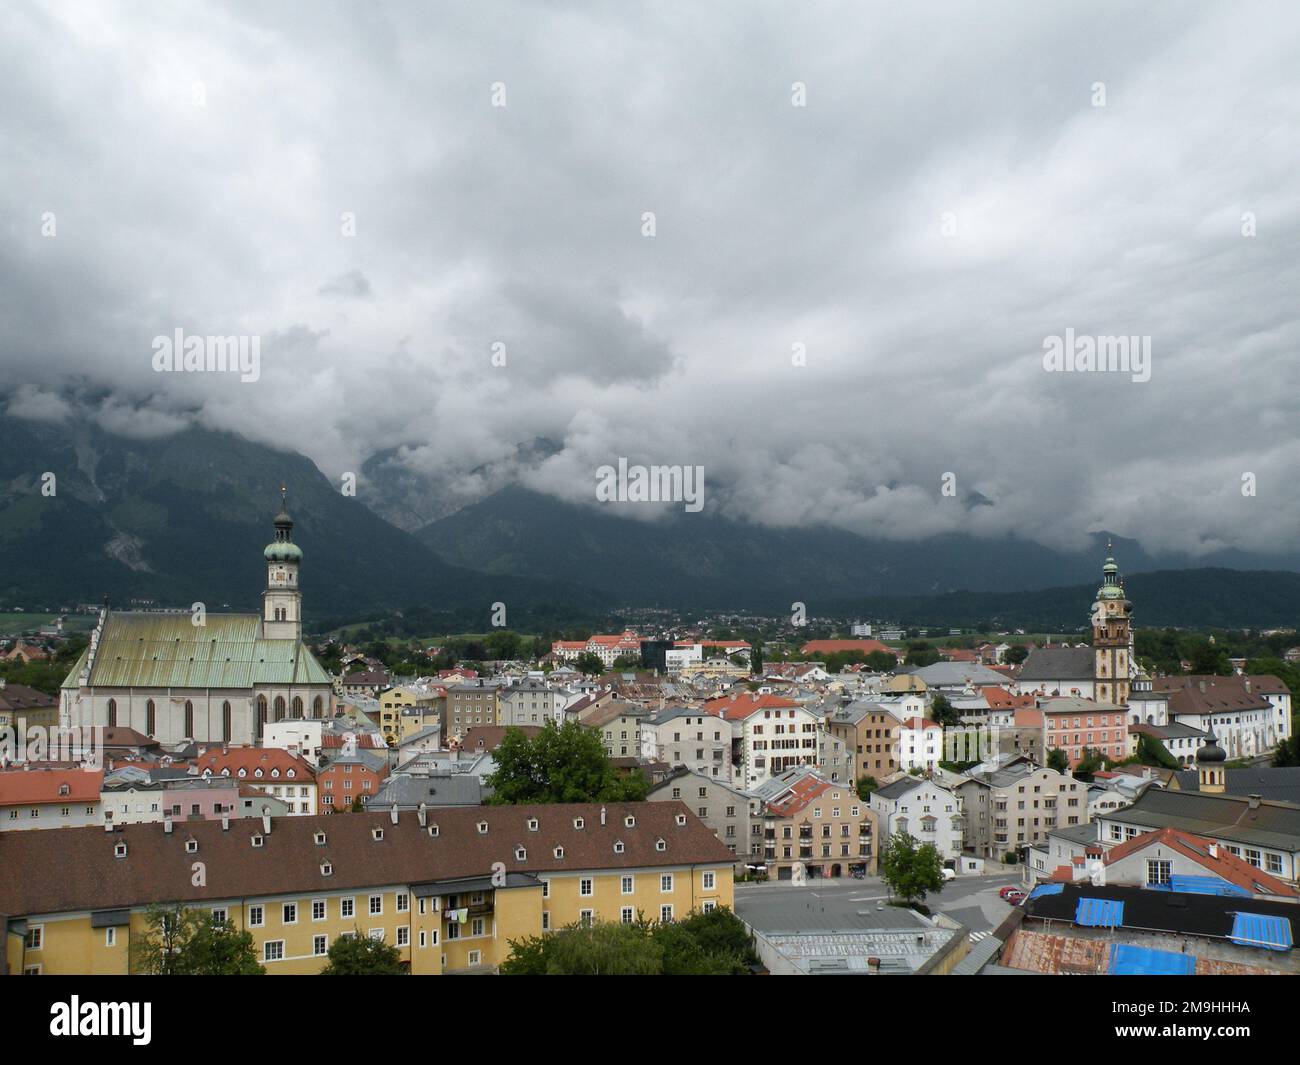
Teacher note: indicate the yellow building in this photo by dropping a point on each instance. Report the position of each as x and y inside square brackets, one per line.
[406, 710]
[449, 887]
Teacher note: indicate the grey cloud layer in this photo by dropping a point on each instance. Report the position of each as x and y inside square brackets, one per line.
[775, 226]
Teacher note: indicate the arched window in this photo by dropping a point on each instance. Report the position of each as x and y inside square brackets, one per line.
[189, 720]
[225, 722]
[112, 713]
[316, 707]
[261, 715]
[279, 707]
[297, 706]
[149, 719]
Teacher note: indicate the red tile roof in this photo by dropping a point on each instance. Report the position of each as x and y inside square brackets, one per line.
[741, 707]
[801, 793]
[821, 647]
[252, 759]
[1001, 699]
[1223, 864]
[25, 787]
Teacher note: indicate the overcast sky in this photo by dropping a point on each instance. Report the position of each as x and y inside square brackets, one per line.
[950, 196]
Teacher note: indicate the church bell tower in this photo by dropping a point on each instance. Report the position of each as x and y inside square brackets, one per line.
[282, 601]
[1112, 636]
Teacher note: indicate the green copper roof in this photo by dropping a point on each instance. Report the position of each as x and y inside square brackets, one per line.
[1111, 585]
[282, 551]
[167, 651]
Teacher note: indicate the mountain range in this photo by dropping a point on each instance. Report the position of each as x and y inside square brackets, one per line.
[183, 518]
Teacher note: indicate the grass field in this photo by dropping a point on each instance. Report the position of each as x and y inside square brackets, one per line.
[12, 624]
[15, 624]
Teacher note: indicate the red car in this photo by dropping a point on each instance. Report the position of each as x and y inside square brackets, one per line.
[1012, 895]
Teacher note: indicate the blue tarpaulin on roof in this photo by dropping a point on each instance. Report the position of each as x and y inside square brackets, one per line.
[1126, 960]
[1099, 913]
[1259, 930]
[1046, 889]
[1201, 885]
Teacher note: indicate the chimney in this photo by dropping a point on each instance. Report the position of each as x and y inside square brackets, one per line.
[392, 814]
[1253, 802]
[225, 822]
[422, 812]
[1213, 849]
[1247, 680]
[167, 825]
[602, 815]
[266, 820]
[1202, 687]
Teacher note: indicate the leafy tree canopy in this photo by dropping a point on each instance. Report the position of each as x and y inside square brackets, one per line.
[565, 763]
[911, 869]
[704, 944]
[358, 955]
[181, 941]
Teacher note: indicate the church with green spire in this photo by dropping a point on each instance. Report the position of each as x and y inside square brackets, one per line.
[1103, 671]
[1112, 636]
[200, 676]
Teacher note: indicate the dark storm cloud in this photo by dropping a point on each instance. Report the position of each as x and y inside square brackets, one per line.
[336, 181]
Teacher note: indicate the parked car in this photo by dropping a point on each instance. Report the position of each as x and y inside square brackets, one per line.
[1014, 895]
[949, 874]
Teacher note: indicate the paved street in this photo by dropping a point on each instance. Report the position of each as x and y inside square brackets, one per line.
[846, 904]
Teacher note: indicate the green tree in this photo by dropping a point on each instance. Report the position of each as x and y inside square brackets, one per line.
[720, 932]
[921, 654]
[1015, 654]
[159, 951]
[1090, 760]
[590, 664]
[1287, 753]
[601, 949]
[1057, 759]
[881, 662]
[1208, 658]
[942, 711]
[865, 786]
[1150, 751]
[911, 869]
[358, 955]
[560, 764]
[703, 944]
[218, 948]
[182, 941]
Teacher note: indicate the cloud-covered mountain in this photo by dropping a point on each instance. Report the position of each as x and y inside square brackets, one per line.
[707, 561]
[184, 517]
[841, 303]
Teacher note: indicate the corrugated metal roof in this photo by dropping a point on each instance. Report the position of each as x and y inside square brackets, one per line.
[1128, 960]
[168, 651]
[1261, 930]
[980, 955]
[1099, 913]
